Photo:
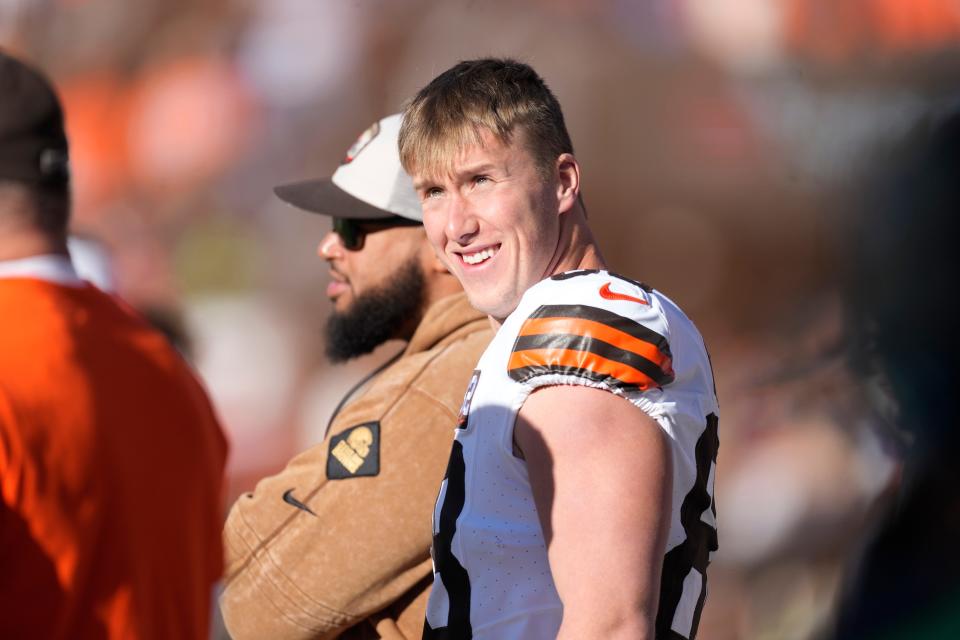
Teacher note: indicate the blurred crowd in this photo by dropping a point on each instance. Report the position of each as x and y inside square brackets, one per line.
[726, 144]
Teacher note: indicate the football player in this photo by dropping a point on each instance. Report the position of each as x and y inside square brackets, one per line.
[578, 497]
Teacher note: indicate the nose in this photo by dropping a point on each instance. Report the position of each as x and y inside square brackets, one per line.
[462, 224]
[330, 247]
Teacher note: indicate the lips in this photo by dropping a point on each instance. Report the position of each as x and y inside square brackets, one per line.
[337, 286]
[479, 256]
[335, 289]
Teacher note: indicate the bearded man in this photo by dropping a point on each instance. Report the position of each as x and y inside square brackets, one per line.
[338, 543]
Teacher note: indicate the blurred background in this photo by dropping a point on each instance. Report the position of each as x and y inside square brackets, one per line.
[722, 143]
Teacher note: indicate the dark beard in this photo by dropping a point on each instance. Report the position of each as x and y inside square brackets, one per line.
[377, 316]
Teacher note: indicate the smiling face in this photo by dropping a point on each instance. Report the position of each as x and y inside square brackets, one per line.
[495, 220]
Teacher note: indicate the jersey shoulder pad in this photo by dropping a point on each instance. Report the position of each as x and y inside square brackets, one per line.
[602, 329]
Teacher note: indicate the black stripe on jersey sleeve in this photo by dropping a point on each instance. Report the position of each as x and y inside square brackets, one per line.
[599, 347]
[621, 323]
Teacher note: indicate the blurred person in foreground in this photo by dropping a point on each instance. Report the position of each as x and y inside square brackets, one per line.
[92, 261]
[339, 541]
[111, 458]
[578, 497]
[903, 322]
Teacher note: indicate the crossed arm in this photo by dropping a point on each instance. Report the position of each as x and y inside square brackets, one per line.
[361, 551]
[601, 475]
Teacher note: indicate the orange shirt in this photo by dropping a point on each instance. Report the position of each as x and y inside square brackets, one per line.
[111, 466]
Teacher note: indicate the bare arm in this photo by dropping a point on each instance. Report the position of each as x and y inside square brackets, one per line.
[601, 475]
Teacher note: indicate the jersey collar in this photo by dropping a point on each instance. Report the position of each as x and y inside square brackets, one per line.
[51, 268]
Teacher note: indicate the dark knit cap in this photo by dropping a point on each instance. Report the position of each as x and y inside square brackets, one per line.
[33, 145]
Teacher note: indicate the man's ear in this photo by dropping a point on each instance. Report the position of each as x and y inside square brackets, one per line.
[568, 184]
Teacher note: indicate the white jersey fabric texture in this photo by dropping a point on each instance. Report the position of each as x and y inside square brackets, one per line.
[492, 578]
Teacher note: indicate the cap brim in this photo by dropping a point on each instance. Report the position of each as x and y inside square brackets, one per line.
[323, 197]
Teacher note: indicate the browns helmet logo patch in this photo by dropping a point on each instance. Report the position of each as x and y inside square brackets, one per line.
[355, 452]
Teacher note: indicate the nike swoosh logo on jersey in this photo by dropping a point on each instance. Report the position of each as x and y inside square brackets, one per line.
[289, 499]
[607, 294]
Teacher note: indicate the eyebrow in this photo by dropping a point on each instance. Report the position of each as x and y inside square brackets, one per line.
[420, 183]
[482, 167]
[487, 166]
[469, 170]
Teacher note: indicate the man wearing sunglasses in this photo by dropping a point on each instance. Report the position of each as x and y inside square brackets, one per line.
[338, 542]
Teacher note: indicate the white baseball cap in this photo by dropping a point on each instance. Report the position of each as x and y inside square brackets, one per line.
[370, 184]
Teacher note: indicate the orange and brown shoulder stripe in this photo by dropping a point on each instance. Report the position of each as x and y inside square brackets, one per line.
[591, 343]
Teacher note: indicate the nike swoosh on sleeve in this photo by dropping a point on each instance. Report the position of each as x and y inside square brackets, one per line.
[289, 499]
[607, 294]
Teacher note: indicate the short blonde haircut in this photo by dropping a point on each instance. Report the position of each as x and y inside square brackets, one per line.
[497, 95]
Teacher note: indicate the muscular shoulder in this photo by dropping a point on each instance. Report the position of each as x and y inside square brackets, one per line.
[595, 327]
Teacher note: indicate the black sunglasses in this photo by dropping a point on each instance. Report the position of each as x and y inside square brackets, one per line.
[352, 231]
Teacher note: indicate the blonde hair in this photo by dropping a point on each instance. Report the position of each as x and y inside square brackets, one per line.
[497, 95]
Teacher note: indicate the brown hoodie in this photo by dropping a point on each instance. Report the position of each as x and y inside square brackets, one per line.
[339, 541]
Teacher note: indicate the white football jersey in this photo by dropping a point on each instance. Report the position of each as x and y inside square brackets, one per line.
[492, 578]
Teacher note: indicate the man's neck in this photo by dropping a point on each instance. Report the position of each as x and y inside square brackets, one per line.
[16, 245]
[437, 286]
[577, 248]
